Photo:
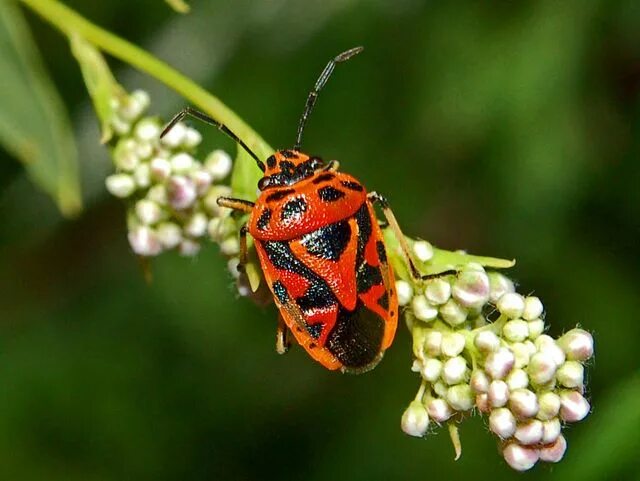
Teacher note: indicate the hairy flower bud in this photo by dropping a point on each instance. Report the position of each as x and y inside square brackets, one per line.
[530, 432]
[573, 406]
[439, 410]
[511, 305]
[460, 397]
[499, 363]
[452, 313]
[437, 291]
[520, 458]
[423, 250]
[502, 423]
[471, 288]
[404, 291]
[523, 403]
[577, 344]
[415, 419]
[554, 452]
[452, 344]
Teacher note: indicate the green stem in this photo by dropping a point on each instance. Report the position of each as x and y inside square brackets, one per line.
[70, 22]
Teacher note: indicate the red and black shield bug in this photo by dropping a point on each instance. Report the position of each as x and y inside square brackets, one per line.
[321, 250]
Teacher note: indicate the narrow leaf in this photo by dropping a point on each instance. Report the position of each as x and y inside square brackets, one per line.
[179, 6]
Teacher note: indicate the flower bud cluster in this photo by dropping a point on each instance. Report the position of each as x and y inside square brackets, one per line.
[478, 344]
[171, 194]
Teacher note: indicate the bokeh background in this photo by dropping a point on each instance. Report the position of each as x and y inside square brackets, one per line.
[505, 128]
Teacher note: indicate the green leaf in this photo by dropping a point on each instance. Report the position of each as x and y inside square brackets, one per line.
[101, 84]
[34, 125]
[179, 6]
[245, 176]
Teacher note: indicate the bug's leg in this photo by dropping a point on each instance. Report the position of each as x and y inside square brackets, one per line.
[282, 337]
[241, 206]
[242, 261]
[332, 166]
[393, 223]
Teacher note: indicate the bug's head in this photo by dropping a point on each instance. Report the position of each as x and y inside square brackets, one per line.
[286, 167]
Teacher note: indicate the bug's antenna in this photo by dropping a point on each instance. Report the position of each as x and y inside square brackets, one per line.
[322, 80]
[205, 118]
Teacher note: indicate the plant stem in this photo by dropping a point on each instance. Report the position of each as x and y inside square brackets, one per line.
[70, 22]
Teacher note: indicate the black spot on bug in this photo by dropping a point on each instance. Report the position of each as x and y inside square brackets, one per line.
[289, 154]
[315, 330]
[323, 178]
[287, 167]
[328, 242]
[383, 301]
[356, 338]
[279, 195]
[392, 313]
[293, 208]
[312, 345]
[271, 161]
[280, 292]
[352, 185]
[317, 296]
[382, 252]
[364, 231]
[330, 194]
[263, 220]
[367, 277]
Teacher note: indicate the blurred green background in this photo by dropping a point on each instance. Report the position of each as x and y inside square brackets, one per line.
[506, 128]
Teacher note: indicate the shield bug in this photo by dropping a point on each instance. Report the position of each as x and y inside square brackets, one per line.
[321, 250]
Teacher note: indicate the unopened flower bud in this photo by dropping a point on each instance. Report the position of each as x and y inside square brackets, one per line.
[454, 370]
[499, 285]
[532, 308]
[144, 241]
[498, 393]
[452, 344]
[422, 309]
[549, 403]
[196, 226]
[120, 185]
[230, 246]
[415, 419]
[433, 343]
[218, 163]
[523, 403]
[182, 192]
[437, 291]
[521, 353]
[529, 432]
[471, 288]
[404, 292]
[499, 363]
[573, 406]
[431, 369]
[511, 305]
[548, 345]
[202, 179]
[158, 194]
[554, 453]
[460, 397]
[486, 341]
[232, 266]
[169, 234]
[148, 211]
[147, 129]
[181, 163]
[536, 328]
[124, 154]
[440, 388]
[211, 199]
[520, 458]
[120, 126]
[517, 379]
[571, 374]
[502, 423]
[175, 136]
[516, 330]
[550, 430]
[192, 138]
[422, 250]
[577, 344]
[482, 402]
[189, 247]
[142, 176]
[452, 313]
[160, 168]
[439, 410]
[479, 381]
[541, 368]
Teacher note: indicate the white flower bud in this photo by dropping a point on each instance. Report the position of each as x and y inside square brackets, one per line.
[192, 138]
[502, 423]
[182, 192]
[482, 403]
[571, 374]
[549, 403]
[452, 344]
[169, 234]
[536, 328]
[519, 457]
[523, 403]
[511, 305]
[141, 98]
[471, 288]
[460, 397]
[160, 168]
[554, 453]
[517, 379]
[144, 241]
[230, 246]
[415, 419]
[124, 155]
[541, 368]
[133, 106]
[211, 199]
[439, 410]
[437, 291]
[404, 292]
[431, 369]
[120, 126]
[175, 136]
[548, 345]
[202, 179]
[423, 250]
[158, 194]
[416, 365]
[120, 185]
[479, 381]
[573, 406]
[454, 370]
[433, 343]
[181, 163]
[142, 176]
[440, 388]
[498, 393]
[499, 363]
[422, 309]
[529, 432]
[188, 248]
[196, 225]
[232, 266]
[147, 130]
[486, 341]
[577, 344]
[220, 228]
[148, 211]
[144, 150]
[218, 163]
[551, 430]
[516, 330]
[522, 354]
[499, 285]
[532, 308]
[453, 313]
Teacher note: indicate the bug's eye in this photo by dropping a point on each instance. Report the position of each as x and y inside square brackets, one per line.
[316, 163]
[264, 183]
